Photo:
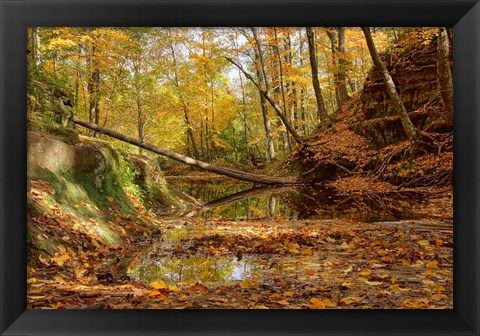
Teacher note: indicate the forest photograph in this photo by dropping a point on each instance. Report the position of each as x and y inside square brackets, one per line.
[239, 167]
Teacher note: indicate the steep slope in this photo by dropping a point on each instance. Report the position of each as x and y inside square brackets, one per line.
[84, 195]
[368, 141]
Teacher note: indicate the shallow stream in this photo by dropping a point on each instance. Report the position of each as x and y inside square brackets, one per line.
[218, 242]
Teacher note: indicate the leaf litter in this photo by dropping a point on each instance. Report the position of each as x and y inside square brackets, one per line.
[255, 264]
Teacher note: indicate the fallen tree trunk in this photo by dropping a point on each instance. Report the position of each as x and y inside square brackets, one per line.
[229, 172]
[242, 195]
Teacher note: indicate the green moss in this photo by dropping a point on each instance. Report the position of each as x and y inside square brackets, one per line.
[98, 195]
[105, 181]
[70, 136]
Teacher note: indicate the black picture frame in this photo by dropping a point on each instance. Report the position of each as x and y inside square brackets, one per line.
[16, 16]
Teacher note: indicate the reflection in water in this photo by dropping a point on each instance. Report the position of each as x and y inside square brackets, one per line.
[152, 264]
[237, 198]
[193, 269]
[167, 260]
[158, 262]
[227, 199]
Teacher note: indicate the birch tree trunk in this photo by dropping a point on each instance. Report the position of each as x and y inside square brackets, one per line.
[445, 82]
[263, 105]
[412, 132]
[268, 97]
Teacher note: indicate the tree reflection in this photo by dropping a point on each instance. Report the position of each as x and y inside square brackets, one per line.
[191, 269]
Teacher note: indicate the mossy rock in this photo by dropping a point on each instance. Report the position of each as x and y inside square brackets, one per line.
[155, 188]
[68, 135]
[48, 152]
[388, 130]
[146, 169]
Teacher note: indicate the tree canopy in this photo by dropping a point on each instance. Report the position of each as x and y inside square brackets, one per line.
[175, 88]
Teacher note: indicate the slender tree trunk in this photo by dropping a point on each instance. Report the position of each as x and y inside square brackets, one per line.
[190, 135]
[244, 115]
[184, 104]
[138, 98]
[208, 130]
[267, 95]
[97, 95]
[412, 132]
[321, 108]
[140, 122]
[275, 106]
[35, 43]
[342, 67]
[77, 88]
[445, 82]
[337, 44]
[208, 134]
[235, 151]
[213, 131]
[272, 202]
[280, 73]
[301, 94]
[291, 106]
[233, 173]
[201, 141]
[272, 102]
[285, 136]
[93, 84]
[333, 36]
[94, 100]
[266, 118]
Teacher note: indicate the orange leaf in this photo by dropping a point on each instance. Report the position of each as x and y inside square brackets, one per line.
[159, 284]
[350, 300]
[316, 304]
[365, 272]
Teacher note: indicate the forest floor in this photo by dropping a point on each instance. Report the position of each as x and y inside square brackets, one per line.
[259, 264]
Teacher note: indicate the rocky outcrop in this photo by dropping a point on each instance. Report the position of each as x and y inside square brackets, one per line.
[367, 131]
[149, 178]
[413, 67]
[388, 130]
[57, 155]
[94, 162]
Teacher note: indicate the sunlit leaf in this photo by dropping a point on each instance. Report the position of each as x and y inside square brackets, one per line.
[60, 259]
[365, 272]
[316, 304]
[173, 288]
[423, 242]
[350, 300]
[158, 284]
[328, 303]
